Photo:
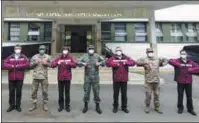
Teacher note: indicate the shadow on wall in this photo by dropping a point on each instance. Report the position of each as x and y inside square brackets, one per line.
[28, 50]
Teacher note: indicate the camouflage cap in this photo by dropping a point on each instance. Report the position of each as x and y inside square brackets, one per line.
[149, 50]
[42, 47]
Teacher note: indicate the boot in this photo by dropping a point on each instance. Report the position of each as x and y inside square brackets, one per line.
[125, 110]
[115, 109]
[68, 108]
[192, 112]
[60, 108]
[157, 109]
[98, 110]
[180, 111]
[18, 108]
[10, 108]
[147, 109]
[85, 107]
[33, 107]
[45, 107]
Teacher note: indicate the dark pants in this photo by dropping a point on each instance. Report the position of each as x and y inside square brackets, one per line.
[15, 91]
[64, 85]
[116, 89]
[188, 91]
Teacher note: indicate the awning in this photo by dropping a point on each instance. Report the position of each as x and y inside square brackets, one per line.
[33, 33]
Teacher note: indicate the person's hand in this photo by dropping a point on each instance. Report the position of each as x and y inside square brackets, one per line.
[97, 64]
[44, 62]
[38, 62]
[59, 62]
[13, 66]
[85, 64]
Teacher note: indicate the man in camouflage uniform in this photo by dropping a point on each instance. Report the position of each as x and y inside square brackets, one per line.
[91, 61]
[152, 80]
[40, 63]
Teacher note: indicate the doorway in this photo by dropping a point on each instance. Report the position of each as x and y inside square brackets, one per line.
[78, 37]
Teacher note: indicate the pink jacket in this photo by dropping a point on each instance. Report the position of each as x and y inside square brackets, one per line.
[120, 67]
[64, 70]
[16, 67]
[183, 71]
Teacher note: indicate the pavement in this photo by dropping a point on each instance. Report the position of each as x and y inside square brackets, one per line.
[168, 99]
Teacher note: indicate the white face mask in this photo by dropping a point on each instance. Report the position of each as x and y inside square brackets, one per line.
[150, 54]
[91, 51]
[17, 51]
[183, 56]
[119, 53]
[65, 52]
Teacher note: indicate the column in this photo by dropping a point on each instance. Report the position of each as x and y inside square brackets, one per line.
[98, 37]
[2, 23]
[153, 42]
[54, 38]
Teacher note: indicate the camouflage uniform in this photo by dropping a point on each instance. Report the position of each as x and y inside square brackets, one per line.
[91, 76]
[152, 80]
[40, 76]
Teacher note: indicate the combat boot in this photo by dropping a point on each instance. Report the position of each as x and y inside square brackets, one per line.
[33, 107]
[85, 107]
[98, 110]
[68, 108]
[157, 109]
[147, 109]
[45, 107]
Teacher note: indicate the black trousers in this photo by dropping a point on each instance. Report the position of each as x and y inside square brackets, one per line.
[188, 90]
[64, 86]
[15, 92]
[116, 88]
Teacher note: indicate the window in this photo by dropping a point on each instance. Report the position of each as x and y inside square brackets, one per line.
[14, 34]
[120, 31]
[176, 32]
[33, 32]
[191, 32]
[159, 34]
[140, 32]
[47, 31]
[106, 31]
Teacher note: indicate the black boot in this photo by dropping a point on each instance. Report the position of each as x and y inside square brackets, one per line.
[180, 111]
[18, 108]
[68, 108]
[125, 110]
[115, 109]
[98, 110]
[85, 107]
[60, 108]
[192, 112]
[10, 108]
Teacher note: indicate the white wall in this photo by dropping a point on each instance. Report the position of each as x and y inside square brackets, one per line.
[137, 50]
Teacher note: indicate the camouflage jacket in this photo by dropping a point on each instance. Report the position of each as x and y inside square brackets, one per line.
[151, 67]
[40, 71]
[91, 69]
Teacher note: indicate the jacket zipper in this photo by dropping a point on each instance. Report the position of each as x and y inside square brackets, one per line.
[14, 70]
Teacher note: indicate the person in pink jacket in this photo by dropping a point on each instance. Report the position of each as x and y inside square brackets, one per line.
[184, 67]
[120, 64]
[16, 65]
[64, 62]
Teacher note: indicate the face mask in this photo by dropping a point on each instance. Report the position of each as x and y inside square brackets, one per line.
[183, 56]
[17, 51]
[91, 51]
[150, 54]
[41, 51]
[119, 53]
[65, 52]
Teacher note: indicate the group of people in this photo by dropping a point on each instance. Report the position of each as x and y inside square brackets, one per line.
[120, 63]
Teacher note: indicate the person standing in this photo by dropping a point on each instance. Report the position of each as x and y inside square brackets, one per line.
[40, 63]
[120, 63]
[64, 62]
[91, 61]
[184, 67]
[151, 66]
[16, 64]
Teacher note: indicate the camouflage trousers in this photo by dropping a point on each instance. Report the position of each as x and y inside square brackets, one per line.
[149, 89]
[44, 87]
[90, 81]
